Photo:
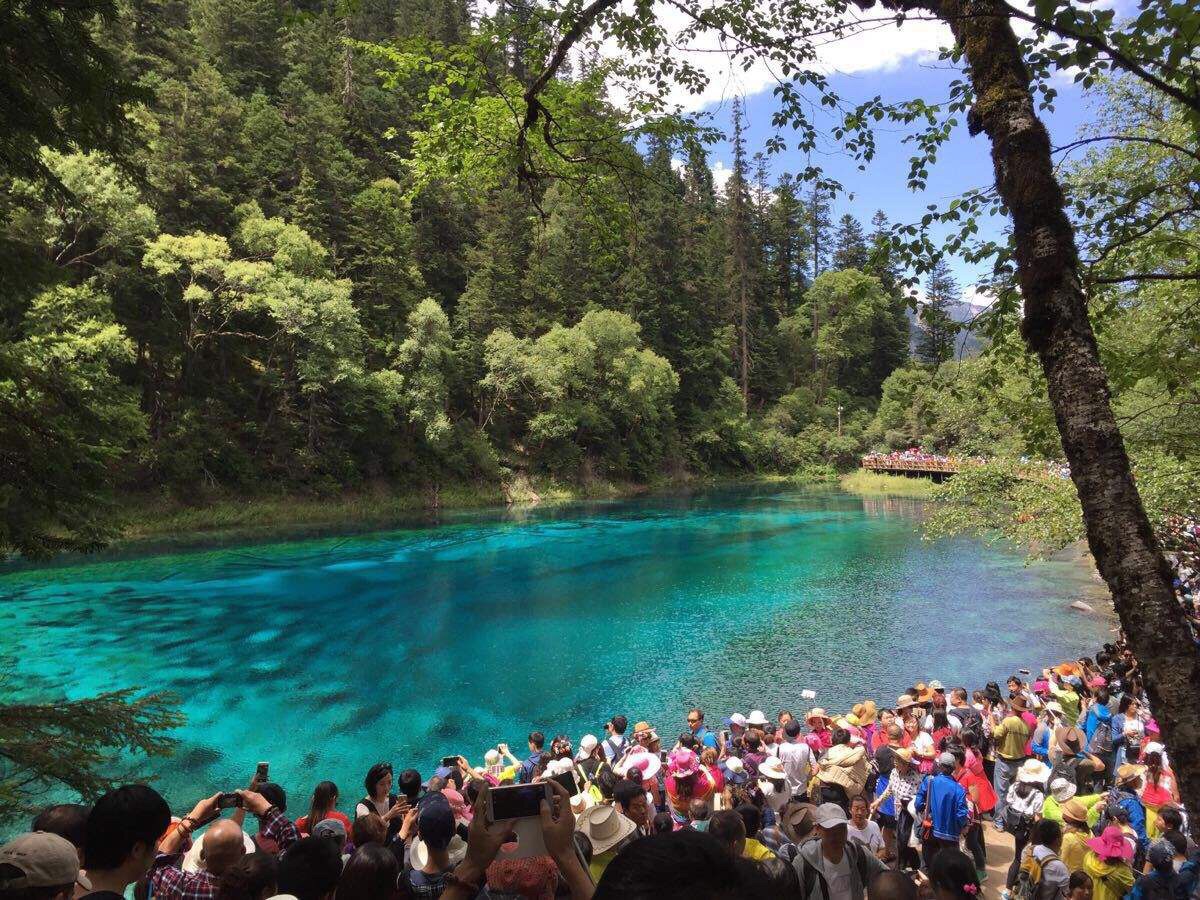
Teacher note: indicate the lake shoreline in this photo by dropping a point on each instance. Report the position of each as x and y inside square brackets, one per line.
[157, 524]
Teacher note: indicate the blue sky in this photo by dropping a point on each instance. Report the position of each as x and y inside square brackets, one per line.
[964, 163]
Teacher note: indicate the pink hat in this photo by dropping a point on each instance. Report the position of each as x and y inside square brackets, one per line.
[1152, 727]
[1041, 687]
[683, 762]
[1112, 844]
[1097, 682]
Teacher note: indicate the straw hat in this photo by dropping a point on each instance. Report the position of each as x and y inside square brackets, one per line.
[605, 827]
[1128, 772]
[817, 713]
[642, 728]
[771, 767]
[905, 701]
[1033, 771]
[924, 693]
[866, 711]
[904, 753]
[1074, 812]
[1112, 844]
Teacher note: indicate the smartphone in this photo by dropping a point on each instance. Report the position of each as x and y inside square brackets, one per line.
[261, 773]
[726, 736]
[665, 757]
[450, 762]
[517, 801]
[567, 780]
[229, 800]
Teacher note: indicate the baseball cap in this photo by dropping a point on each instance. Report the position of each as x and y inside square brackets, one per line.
[1160, 854]
[435, 825]
[329, 828]
[830, 815]
[40, 859]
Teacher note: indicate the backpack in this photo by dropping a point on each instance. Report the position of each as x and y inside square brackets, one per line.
[972, 722]
[1021, 813]
[1157, 887]
[810, 873]
[1029, 878]
[1101, 740]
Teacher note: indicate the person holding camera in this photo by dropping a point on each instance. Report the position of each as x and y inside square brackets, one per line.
[224, 845]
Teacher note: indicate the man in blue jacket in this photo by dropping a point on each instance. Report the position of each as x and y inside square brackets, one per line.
[943, 801]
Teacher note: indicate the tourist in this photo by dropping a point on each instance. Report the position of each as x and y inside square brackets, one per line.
[1058, 792]
[253, 877]
[699, 812]
[943, 801]
[1075, 834]
[615, 743]
[796, 756]
[754, 755]
[867, 713]
[630, 797]
[1071, 761]
[833, 867]
[903, 784]
[1108, 863]
[224, 843]
[729, 828]
[1042, 866]
[819, 736]
[686, 865]
[1097, 729]
[309, 870]
[1080, 886]
[1158, 789]
[323, 806]
[952, 877]
[773, 784]
[1124, 795]
[1010, 734]
[963, 716]
[1127, 730]
[892, 885]
[121, 838]
[752, 820]
[609, 832]
[525, 773]
[981, 800]
[1022, 807]
[370, 874]
[730, 741]
[686, 781]
[67, 820]
[842, 770]
[1161, 880]
[380, 799]
[38, 866]
[1064, 692]
[368, 829]
[695, 721]
[863, 831]
[431, 825]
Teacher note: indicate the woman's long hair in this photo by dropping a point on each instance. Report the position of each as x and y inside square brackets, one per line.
[1154, 767]
[324, 799]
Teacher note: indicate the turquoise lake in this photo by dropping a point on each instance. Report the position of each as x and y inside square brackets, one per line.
[326, 655]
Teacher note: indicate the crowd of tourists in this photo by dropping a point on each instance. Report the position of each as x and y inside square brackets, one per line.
[916, 455]
[887, 802]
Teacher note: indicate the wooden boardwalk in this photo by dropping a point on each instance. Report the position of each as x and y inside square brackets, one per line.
[938, 470]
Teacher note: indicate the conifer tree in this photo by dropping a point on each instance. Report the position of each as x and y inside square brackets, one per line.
[738, 200]
[849, 245]
[935, 343]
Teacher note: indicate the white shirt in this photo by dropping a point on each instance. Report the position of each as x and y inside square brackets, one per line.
[797, 763]
[837, 876]
[869, 835]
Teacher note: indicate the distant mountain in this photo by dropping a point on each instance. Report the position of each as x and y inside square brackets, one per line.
[968, 343]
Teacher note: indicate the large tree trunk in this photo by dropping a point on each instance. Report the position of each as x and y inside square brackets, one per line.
[1057, 329]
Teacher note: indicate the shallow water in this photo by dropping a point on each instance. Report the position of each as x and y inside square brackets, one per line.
[325, 656]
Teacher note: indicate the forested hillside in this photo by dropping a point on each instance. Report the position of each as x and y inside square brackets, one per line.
[275, 286]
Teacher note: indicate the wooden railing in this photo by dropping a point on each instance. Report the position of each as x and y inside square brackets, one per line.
[945, 467]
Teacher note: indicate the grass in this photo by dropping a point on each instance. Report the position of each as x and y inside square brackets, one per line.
[873, 484]
[153, 518]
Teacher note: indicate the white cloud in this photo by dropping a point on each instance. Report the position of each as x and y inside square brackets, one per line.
[720, 174]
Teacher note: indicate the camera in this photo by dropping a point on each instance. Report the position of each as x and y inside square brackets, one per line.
[229, 800]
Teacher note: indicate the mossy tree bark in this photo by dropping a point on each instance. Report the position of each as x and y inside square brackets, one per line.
[1056, 327]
